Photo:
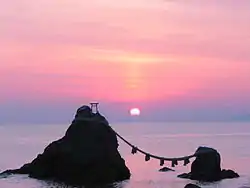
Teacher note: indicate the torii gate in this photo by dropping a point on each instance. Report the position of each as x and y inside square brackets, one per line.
[94, 107]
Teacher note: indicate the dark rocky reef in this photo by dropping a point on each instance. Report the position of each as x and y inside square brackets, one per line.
[207, 167]
[86, 155]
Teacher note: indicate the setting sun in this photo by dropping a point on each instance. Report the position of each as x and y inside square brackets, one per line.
[135, 112]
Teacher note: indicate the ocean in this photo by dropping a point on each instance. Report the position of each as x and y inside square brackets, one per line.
[20, 144]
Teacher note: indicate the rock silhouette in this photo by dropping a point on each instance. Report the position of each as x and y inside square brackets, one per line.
[190, 185]
[166, 169]
[86, 155]
[207, 167]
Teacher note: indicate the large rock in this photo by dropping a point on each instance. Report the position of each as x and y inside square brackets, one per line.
[87, 154]
[207, 167]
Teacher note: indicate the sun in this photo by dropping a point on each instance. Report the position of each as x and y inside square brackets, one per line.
[135, 112]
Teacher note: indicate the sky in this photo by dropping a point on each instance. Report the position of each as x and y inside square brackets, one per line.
[175, 60]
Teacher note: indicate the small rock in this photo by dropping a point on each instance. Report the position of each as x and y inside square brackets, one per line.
[184, 175]
[190, 185]
[228, 174]
[166, 169]
[207, 167]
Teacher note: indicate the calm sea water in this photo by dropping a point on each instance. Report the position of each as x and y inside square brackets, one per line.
[21, 143]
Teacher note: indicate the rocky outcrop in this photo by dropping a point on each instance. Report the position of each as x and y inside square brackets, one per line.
[207, 167]
[87, 154]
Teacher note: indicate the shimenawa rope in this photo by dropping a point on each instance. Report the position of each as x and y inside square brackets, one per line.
[162, 159]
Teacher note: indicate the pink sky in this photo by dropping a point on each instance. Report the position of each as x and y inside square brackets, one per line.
[125, 51]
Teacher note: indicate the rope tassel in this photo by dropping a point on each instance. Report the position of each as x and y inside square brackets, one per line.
[174, 163]
[147, 157]
[186, 161]
[162, 162]
[134, 150]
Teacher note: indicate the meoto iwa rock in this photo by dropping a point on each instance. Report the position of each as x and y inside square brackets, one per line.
[87, 154]
[207, 167]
